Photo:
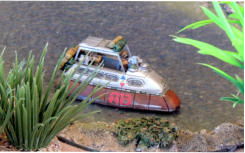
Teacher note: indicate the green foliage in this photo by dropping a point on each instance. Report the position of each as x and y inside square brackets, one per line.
[30, 116]
[233, 25]
[147, 131]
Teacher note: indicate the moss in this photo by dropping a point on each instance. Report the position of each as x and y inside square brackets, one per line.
[146, 131]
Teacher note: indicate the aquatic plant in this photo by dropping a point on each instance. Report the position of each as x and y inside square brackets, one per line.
[233, 25]
[34, 116]
[146, 131]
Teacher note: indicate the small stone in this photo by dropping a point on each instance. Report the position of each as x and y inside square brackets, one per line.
[240, 123]
[203, 131]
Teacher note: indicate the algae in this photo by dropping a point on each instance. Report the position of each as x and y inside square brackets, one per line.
[147, 131]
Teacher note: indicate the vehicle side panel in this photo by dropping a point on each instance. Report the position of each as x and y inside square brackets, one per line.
[141, 101]
[157, 103]
[123, 99]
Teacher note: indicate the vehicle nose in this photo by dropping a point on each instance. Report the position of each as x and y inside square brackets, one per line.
[172, 100]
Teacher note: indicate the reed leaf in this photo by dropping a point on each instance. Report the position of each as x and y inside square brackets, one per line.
[208, 49]
[203, 23]
[236, 36]
[30, 115]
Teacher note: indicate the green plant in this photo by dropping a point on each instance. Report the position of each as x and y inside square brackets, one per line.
[233, 25]
[147, 131]
[33, 117]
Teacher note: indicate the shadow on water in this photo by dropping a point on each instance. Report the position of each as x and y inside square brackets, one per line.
[130, 110]
[26, 26]
[115, 114]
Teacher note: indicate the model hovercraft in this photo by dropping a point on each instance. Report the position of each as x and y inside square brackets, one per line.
[130, 83]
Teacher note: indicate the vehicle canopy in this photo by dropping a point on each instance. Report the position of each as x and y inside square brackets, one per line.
[112, 54]
[100, 45]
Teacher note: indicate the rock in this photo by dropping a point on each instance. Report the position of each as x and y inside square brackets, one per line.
[191, 142]
[172, 148]
[141, 148]
[240, 123]
[228, 136]
[240, 149]
[203, 131]
[68, 148]
[97, 136]
[5, 145]
[227, 9]
[54, 146]
[225, 137]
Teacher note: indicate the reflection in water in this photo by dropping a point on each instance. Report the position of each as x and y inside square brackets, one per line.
[28, 26]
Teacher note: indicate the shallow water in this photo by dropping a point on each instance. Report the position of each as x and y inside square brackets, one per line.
[26, 26]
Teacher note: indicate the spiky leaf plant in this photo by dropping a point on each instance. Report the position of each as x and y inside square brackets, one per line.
[30, 115]
[233, 25]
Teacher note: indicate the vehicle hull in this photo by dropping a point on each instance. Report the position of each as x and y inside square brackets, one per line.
[123, 99]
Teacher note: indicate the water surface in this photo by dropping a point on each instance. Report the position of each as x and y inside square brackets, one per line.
[26, 26]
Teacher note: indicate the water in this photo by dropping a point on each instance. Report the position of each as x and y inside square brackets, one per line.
[26, 26]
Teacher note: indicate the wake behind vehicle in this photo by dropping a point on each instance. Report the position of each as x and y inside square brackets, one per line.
[131, 83]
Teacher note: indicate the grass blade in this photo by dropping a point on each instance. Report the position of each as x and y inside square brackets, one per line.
[224, 75]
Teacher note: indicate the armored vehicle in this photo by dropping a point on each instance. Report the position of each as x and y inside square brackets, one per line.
[130, 83]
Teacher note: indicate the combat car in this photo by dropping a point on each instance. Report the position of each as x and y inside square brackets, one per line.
[130, 82]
